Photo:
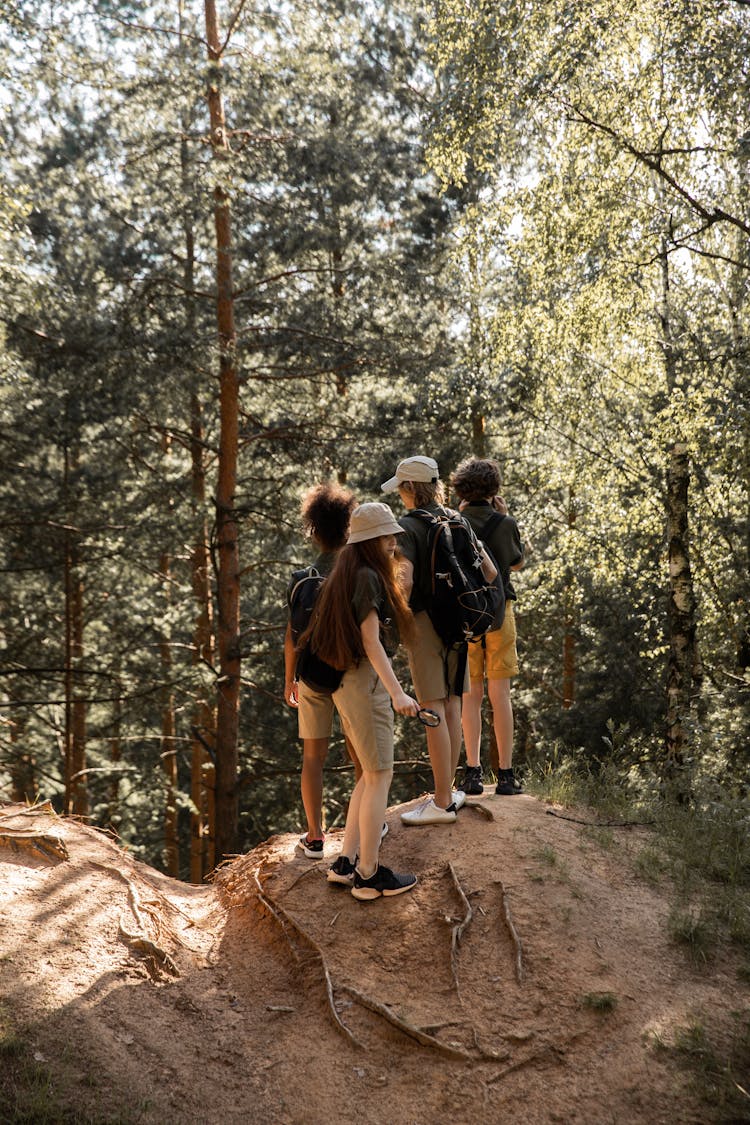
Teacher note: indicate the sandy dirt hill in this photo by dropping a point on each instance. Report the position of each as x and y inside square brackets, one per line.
[528, 978]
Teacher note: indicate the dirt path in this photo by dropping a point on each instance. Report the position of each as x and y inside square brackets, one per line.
[209, 1005]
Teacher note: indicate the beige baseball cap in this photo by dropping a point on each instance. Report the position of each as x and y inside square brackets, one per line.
[370, 521]
[413, 468]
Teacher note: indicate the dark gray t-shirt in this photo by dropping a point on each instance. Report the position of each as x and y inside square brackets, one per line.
[369, 594]
[504, 540]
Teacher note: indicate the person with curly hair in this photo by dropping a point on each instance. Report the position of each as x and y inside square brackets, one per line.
[325, 512]
[357, 622]
[476, 482]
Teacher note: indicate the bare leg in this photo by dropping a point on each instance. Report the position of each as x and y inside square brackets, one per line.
[373, 804]
[471, 718]
[502, 710]
[453, 723]
[314, 752]
[350, 845]
[440, 749]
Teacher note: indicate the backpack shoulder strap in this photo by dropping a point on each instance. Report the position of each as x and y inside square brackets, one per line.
[490, 524]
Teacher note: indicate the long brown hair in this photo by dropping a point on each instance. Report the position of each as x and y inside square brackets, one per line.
[333, 632]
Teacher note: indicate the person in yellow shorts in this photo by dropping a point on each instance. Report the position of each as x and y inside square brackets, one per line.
[476, 482]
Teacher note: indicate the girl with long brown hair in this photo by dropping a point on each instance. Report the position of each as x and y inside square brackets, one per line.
[358, 620]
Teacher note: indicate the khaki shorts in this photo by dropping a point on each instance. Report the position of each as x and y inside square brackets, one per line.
[364, 708]
[495, 657]
[427, 662]
[315, 712]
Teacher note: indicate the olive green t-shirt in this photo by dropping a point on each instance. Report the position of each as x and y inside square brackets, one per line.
[369, 593]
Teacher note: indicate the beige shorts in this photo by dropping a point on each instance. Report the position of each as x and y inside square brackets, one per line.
[495, 657]
[315, 712]
[364, 708]
[427, 662]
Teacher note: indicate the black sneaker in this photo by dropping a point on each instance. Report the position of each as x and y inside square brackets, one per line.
[342, 871]
[472, 782]
[383, 882]
[507, 785]
[311, 848]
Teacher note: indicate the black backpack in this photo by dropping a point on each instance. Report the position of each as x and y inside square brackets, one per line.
[461, 604]
[316, 673]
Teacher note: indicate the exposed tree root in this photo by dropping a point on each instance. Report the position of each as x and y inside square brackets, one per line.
[403, 1025]
[285, 920]
[513, 933]
[43, 844]
[149, 949]
[458, 930]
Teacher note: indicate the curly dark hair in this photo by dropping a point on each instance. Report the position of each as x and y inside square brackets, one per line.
[326, 513]
[476, 479]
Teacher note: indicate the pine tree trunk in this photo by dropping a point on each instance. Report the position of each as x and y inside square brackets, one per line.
[168, 752]
[22, 765]
[227, 530]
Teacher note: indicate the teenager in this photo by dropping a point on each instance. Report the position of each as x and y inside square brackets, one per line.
[433, 667]
[476, 482]
[357, 622]
[326, 511]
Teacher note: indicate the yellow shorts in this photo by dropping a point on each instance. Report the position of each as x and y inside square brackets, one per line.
[495, 656]
[427, 663]
[315, 712]
[366, 715]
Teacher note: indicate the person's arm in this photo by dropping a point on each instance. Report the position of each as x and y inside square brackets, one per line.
[290, 662]
[406, 576]
[489, 570]
[376, 654]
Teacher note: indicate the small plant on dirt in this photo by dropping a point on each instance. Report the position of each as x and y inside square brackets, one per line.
[718, 1071]
[692, 928]
[599, 1001]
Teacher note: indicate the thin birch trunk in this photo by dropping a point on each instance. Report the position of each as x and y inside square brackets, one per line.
[227, 529]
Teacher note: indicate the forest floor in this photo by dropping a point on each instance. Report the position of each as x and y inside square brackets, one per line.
[529, 978]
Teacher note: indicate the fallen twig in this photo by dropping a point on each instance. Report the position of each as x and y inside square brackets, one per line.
[285, 920]
[481, 809]
[603, 823]
[513, 933]
[403, 1025]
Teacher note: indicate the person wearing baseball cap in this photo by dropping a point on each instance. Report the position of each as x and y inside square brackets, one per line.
[434, 667]
[358, 619]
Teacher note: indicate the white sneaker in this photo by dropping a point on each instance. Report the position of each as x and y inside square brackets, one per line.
[428, 813]
[459, 798]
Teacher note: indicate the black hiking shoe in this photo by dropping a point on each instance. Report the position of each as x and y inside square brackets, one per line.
[472, 782]
[383, 882]
[342, 871]
[507, 784]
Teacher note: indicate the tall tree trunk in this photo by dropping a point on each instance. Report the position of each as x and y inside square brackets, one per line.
[227, 529]
[115, 749]
[22, 765]
[168, 752]
[202, 771]
[203, 726]
[570, 622]
[76, 793]
[682, 662]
